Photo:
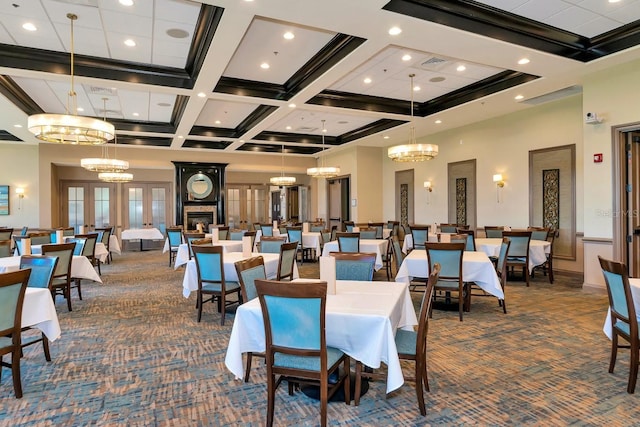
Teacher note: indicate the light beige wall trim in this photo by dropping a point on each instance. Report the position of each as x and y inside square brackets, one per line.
[594, 247]
[597, 240]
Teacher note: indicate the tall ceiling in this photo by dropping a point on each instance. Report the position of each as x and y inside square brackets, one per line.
[257, 76]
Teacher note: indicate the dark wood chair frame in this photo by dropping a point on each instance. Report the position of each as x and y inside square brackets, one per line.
[463, 288]
[63, 288]
[15, 332]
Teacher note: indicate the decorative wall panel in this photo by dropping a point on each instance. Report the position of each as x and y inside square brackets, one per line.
[551, 198]
[404, 204]
[461, 200]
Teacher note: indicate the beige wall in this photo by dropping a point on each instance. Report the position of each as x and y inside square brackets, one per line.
[20, 169]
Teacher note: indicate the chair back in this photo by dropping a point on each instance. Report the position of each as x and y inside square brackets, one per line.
[189, 238]
[12, 288]
[348, 226]
[174, 235]
[42, 268]
[459, 238]
[64, 252]
[40, 238]
[471, 238]
[369, 233]
[5, 248]
[79, 245]
[420, 235]
[236, 234]
[501, 265]
[397, 252]
[251, 234]
[89, 248]
[104, 234]
[623, 312]
[267, 230]
[425, 309]
[317, 228]
[520, 240]
[294, 318]
[539, 233]
[271, 244]
[209, 264]
[348, 242]
[223, 233]
[449, 256]
[334, 233]
[68, 231]
[287, 260]
[249, 270]
[5, 233]
[257, 226]
[295, 235]
[354, 266]
[448, 228]
[378, 226]
[24, 231]
[493, 231]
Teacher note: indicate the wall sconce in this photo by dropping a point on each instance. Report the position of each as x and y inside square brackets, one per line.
[20, 193]
[497, 178]
[429, 188]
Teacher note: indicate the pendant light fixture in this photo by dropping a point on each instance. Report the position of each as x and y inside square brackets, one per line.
[70, 128]
[412, 152]
[323, 171]
[104, 163]
[116, 175]
[282, 181]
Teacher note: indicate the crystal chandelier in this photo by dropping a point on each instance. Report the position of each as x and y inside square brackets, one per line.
[105, 164]
[323, 171]
[70, 128]
[412, 152]
[115, 176]
[282, 181]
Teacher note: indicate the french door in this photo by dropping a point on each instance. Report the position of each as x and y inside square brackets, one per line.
[87, 205]
[146, 205]
[247, 204]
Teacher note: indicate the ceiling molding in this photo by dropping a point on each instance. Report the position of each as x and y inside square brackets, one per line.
[211, 145]
[481, 19]
[275, 148]
[133, 126]
[150, 141]
[296, 137]
[208, 22]
[178, 109]
[8, 136]
[356, 101]
[10, 89]
[370, 129]
[212, 132]
[256, 116]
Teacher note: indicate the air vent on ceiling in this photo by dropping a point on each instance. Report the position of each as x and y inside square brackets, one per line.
[434, 63]
[554, 96]
[99, 90]
[306, 129]
[114, 114]
[90, 3]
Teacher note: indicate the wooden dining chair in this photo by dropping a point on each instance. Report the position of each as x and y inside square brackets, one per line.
[348, 242]
[267, 230]
[348, 226]
[471, 238]
[271, 244]
[189, 238]
[5, 248]
[5, 233]
[104, 236]
[420, 235]
[12, 288]
[249, 270]
[286, 261]
[492, 231]
[412, 346]
[354, 266]
[40, 238]
[295, 235]
[211, 280]
[448, 228]
[624, 323]
[449, 256]
[378, 226]
[518, 256]
[61, 283]
[296, 348]
[368, 233]
[223, 233]
[174, 237]
[547, 234]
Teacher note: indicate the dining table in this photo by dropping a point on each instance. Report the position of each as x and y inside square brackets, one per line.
[81, 267]
[39, 311]
[100, 251]
[142, 234]
[476, 267]
[182, 257]
[377, 246]
[407, 243]
[361, 320]
[310, 239]
[634, 285]
[190, 279]
[538, 249]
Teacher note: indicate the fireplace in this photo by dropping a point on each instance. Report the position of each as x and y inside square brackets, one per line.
[195, 214]
[200, 194]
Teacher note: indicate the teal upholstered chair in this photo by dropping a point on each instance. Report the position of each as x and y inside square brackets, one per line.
[249, 270]
[251, 234]
[24, 231]
[348, 226]
[89, 251]
[518, 256]
[539, 233]
[223, 233]
[316, 228]
[493, 232]
[104, 236]
[5, 248]
[295, 235]
[236, 234]
[42, 269]
[449, 256]
[43, 238]
[61, 283]
[257, 226]
[12, 289]
[271, 245]
[471, 238]
[411, 345]
[211, 281]
[189, 238]
[174, 237]
[624, 322]
[369, 233]
[5, 233]
[397, 252]
[448, 228]
[79, 247]
[420, 235]
[459, 238]
[501, 269]
[267, 230]
[354, 266]
[378, 226]
[287, 260]
[348, 242]
[296, 349]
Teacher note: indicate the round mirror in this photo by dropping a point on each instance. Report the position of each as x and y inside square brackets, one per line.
[199, 185]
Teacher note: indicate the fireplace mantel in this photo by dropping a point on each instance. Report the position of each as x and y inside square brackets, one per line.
[213, 201]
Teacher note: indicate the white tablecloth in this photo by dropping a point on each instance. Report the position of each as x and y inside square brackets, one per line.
[100, 251]
[538, 249]
[142, 233]
[114, 245]
[81, 268]
[377, 246]
[190, 281]
[361, 320]
[39, 311]
[182, 257]
[407, 244]
[635, 294]
[476, 267]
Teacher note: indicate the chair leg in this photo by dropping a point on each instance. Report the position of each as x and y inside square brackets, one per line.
[247, 370]
[271, 396]
[347, 380]
[67, 291]
[419, 391]
[550, 263]
[614, 352]
[222, 302]
[45, 347]
[79, 286]
[525, 271]
[323, 402]
[504, 306]
[199, 305]
[633, 371]
[15, 372]
[358, 383]
[99, 271]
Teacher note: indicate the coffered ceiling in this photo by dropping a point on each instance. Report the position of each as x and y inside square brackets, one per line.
[263, 75]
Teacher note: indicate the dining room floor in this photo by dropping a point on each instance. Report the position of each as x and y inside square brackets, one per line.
[131, 353]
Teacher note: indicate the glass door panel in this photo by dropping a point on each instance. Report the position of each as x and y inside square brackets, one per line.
[135, 203]
[246, 204]
[76, 207]
[159, 208]
[233, 207]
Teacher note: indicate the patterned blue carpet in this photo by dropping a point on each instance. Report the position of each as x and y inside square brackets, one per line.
[132, 354]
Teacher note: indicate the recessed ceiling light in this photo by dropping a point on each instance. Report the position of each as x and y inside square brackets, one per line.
[136, 114]
[126, 2]
[367, 80]
[29, 26]
[523, 61]
[614, 1]
[165, 104]
[288, 128]
[180, 136]
[385, 137]
[177, 33]
[461, 68]
[264, 66]
[394, 31]
[17, 126]
[292, 105]
[80, 109]
[416, 88]
[406, 57]
[130, 42]
[217, 122]
[324, 131]
[438, 121]
[202, 94]
[342, 122]
[518, 97]
[288, 35]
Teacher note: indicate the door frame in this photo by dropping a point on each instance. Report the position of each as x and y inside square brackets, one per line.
[345, 208]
